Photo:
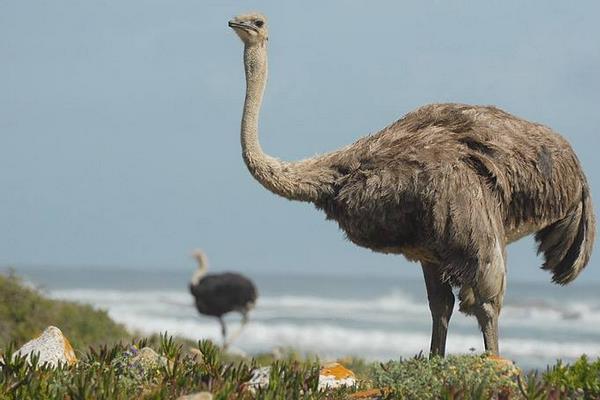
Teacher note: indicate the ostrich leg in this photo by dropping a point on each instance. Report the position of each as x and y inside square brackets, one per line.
[223, 332]
[237, 333]
[487, 316]
[441, 304]
[489, 294]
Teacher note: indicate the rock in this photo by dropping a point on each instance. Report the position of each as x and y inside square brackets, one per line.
[335, 375]
[331, 376]
[259, 378]
[196, 353]
[197, 396]
[139, 364]
[53, 348]
[146, 358]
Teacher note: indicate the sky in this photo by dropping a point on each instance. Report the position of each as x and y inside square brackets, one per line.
[119, 121]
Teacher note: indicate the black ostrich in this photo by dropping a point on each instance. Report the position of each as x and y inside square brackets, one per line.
[219, 294]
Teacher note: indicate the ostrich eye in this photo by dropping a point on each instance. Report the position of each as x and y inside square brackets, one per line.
[259, 23]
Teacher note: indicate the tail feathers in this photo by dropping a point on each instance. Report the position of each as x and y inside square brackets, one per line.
[567, 244]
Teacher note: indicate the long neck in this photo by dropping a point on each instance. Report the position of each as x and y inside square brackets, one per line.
[304, 180]
[202, 268]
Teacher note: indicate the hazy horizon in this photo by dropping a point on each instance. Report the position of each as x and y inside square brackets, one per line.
[120, 121]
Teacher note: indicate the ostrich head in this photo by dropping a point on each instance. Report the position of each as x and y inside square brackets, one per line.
[199, 256]
[251, 28]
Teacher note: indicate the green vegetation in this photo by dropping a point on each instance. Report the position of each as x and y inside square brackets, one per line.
[579, 380]
[117, 371]
[111, 373]
[108, 373]
[25, 313]
[421, 378]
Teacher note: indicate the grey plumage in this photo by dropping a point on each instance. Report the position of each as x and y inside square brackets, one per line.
[447, 185]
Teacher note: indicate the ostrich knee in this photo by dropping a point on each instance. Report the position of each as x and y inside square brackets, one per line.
[441, 304]
[487, 311]
[487, 317]
[489, 294]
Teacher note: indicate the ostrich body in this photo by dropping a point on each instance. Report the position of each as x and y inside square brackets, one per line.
[447, 185]
[218, 294]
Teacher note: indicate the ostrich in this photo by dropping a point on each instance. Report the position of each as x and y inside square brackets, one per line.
[219, 294]
[447, 185]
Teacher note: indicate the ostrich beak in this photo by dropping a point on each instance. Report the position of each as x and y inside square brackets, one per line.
[241, 25]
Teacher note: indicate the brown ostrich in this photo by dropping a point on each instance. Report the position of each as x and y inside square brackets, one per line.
[448, 185]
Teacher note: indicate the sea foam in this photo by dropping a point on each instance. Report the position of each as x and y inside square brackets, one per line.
[378, 328]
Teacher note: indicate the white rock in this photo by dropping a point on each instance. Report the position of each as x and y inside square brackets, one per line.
[259, 378]
[331, 382]
[52, 346]
[335, 375]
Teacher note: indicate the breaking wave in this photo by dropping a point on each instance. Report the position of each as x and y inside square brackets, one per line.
[381, 327]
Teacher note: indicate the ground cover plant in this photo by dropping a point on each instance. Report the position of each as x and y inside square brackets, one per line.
[107, 372]
[109, 366]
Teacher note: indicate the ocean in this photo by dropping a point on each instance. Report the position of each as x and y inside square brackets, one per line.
[376, 317]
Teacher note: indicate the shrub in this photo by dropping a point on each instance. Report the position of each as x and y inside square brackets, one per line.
[107, 373]
[25, 313]
[579, 380]
[475, 377]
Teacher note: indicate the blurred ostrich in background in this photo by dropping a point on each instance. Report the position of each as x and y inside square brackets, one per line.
[448, 185]
[218, 294]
